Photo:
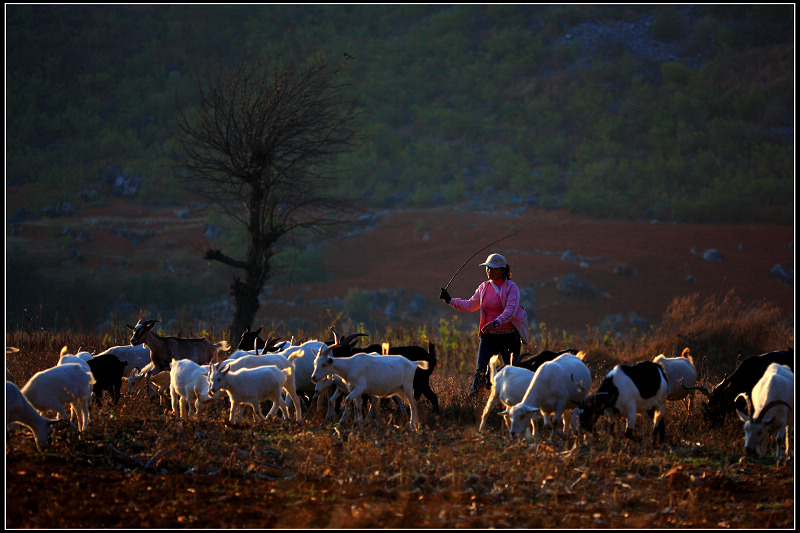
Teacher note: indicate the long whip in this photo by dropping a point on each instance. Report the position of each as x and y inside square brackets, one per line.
[488, 245]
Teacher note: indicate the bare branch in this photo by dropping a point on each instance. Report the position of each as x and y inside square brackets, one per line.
[258, 146]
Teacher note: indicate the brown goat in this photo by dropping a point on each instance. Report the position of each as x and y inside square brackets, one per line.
[164, 349]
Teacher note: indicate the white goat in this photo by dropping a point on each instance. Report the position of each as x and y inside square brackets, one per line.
[20, 411]
[53, 388]
[558, 385]
[160, 380]
[9, 375]
[773, 395]
[680, 374]
[275, 359]
[340, 389]
[376, 375]
[188, 388]
[509, 385]
[136, 356]
[303, 364]
[250, 386]
[65, 358]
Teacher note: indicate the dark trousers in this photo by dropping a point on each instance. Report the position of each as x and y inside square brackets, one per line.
[505, 344]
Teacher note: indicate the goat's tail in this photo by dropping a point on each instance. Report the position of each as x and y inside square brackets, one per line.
[495, 364]
[422, 365]
[222, 346]
[296, 355]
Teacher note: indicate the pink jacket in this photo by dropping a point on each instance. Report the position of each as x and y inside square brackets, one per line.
[512, 311]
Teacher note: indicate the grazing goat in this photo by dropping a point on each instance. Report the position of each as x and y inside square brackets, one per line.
[722, 400]
[161, 381]
[509, 384]
[556, 386]
[681, 377]
[376, 375]
[107, 370]
[164, 349]
[55, 387]
[250, 386]
[629, 390]
[20, 411]
[773, 395]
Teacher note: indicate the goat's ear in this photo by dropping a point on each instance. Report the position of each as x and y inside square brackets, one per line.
[743, 417]
[130, 327]
[63, 351]
[503, 413]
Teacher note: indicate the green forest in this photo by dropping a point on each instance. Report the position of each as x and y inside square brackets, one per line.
[677, 112]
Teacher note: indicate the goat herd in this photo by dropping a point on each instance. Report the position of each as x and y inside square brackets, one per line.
[550, 389]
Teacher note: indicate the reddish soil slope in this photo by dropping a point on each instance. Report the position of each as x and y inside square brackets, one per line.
[419, 251]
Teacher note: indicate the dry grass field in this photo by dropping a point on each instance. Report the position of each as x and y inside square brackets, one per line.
[139, 466]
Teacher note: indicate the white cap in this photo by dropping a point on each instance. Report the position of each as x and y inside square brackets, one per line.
[495, 261]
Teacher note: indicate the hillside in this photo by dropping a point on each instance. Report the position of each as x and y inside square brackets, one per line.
[400, 258]
[680, 113]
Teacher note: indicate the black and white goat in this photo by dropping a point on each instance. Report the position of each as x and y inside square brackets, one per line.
[628, 390]
[770, 411]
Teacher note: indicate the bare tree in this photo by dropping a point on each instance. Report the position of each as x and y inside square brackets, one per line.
[257, 146]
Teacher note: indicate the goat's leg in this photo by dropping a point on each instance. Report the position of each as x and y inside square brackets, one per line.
[409, 398]
[150, 392]
[298, 412]
[490, 404]
[281, 403]
[330, 414]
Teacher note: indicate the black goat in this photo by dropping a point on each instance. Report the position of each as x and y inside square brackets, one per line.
[532, 362]
[107, 370]
[722, 399]
[251, 340]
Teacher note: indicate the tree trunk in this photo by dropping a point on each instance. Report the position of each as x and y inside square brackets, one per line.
[245, 306]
